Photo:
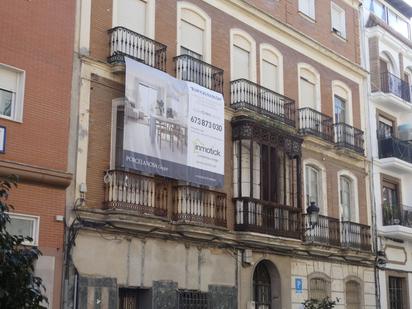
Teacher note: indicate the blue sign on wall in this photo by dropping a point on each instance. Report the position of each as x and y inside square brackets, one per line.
[298, 285]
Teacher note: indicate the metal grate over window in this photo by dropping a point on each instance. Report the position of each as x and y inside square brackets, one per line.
[128, 299]
[396, 293]
[189, 299]
[353, 297]
[318, 288]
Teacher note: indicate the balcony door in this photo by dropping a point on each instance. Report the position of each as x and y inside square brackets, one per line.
[346, 198]
[385, 127]
[131, 14]
[390, 203]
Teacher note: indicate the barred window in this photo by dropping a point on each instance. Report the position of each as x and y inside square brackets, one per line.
[353, 296]
[396, 293]
[127, 298]
[189, 299]
[318, 288]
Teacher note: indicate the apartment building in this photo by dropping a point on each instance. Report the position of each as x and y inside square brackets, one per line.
[294, 92]
[35, 95]
[388, 46]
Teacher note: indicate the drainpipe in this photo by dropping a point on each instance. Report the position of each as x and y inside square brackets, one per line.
[366, 96]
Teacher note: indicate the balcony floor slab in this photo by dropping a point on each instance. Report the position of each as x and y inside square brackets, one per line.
[395, 165]
[391, 101]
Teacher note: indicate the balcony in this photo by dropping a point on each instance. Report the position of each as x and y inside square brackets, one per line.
[331, 232]
[326, 232]
[192, 204]
[349, 137]
[151, 196]
[397, 221]
[356, 236]
[315, 123]
[124, 42]
[191, 69]
[253, 215]
[395, 155]
[393, 93]
[248, 95]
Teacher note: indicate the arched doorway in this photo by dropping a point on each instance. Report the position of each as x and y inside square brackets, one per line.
[266, 286]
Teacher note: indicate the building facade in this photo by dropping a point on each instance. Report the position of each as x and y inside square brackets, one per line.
[295, 95]
[387, 39]
[35, 98]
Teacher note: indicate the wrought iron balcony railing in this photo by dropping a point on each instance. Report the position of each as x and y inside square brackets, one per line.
[124, 42]
[313, 122]
[246, 94]
[393, 84]
[199, 205]
[130, 191]
[349, 137]
[191, 69]
[254, 215]
[393, 147]
[356, 236]
[397, 215]
[327, 231]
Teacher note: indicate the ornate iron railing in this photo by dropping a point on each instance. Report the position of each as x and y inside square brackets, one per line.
[254, 215]
[393, 147]
[124, 42]
[246, 94]
[199, 205]
[313, 122]
[327, 231]
[397, 215]
[356, 236]
[393, 84]
[145, 195]
[349, 137]
[194, 70]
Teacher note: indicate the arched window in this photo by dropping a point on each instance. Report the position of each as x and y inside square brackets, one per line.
[342, 103]
[309, 87]
[262, 287]
[353, 295]
[193, 31]
[348, 193]
[243, 56]
[313, 183]
[319, 286]
[271, 68]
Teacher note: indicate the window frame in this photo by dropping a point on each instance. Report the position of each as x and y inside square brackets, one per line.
[36, 227]
[252, 53]
[311, 4]
[342, 23]
[322, 184]
[279, 57]
[304, 66]
[354, 206]
[323, 277]
[405, 290]
[341, 90]
[18, 94]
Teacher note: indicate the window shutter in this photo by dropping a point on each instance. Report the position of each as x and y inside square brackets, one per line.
[241, 62]
[192, 37]
[307, 94]
[269, 75]
[8, 80]
[132, 15]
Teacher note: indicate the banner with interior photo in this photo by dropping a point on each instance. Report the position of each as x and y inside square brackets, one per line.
[172, 128]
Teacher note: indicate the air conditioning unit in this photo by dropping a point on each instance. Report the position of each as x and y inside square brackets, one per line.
[405, 132]
[247, 256]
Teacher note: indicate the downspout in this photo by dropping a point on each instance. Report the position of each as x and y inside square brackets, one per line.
[370, 158]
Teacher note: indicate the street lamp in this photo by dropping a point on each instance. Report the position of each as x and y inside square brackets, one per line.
[313, 214]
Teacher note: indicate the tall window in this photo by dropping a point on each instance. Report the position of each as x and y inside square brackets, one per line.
[11, 93]
[353, 295]
[312, 184]
[390, 203]
[340, 109]
[131, 14]
[308, 88]
[385, 127]
[346, 198]
[307, 7]
[192, 34]
[338, 20]
[270, 70]
[262, 287]
[241, 58]
[397, 293]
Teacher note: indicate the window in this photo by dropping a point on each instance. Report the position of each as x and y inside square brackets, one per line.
[309, 87]
[353, 295]
[390, 203]
[338, 20]
[340, 109]
[319, 288]
[270, 68]
[130, 298]
[190, 299]
[346, 198]
[243, 56]
[24, 225]
[262, 287]
[131, 14]
[194, 32]
[312, 181]
[397, 293]
[342, 104]
[379, 9]
[11, 93]
[307, 7]
[385, 127]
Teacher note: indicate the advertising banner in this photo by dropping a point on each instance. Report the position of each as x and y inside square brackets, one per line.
[172, 128]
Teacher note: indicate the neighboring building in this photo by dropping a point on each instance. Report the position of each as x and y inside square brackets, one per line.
[36, 45]
[294, 93]
[388, 48]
